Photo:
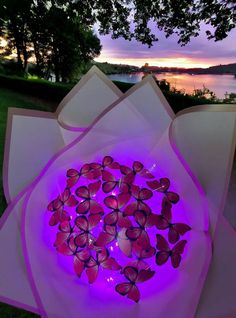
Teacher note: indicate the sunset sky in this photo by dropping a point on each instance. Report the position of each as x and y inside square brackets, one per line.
[200, 52]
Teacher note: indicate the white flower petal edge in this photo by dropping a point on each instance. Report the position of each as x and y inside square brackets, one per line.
[126, 132]
[10, 222]
[34, 147]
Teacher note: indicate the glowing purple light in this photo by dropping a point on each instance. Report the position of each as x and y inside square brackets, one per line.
[110, 217]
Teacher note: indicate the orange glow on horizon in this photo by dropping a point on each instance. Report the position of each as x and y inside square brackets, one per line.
[180, 62]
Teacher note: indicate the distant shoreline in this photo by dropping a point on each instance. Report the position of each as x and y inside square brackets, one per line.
[108, 68]
[176, 72]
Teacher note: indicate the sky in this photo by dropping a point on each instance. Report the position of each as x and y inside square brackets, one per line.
[200, 52]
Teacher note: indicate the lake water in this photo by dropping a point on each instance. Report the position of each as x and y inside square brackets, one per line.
[219, 84]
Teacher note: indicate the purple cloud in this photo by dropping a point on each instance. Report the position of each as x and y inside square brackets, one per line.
[198, 51]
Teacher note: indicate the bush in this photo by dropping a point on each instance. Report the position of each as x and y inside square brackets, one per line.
[35, 87]
[57, 91]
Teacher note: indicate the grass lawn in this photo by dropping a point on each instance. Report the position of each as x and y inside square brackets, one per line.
[10, 98]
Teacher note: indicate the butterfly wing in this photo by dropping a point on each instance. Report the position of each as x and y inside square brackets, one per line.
[140, 217]
[133, 233]
[110, 181]
[73, 177]
[145, 194]
[181, 228]
[82, 192]
[122, 199]
[172, 197]
[92, 270]
[93, 220]
[123, 221]
[81, 240]
[137, 166]
[131, 208]
[124, 243]
[82, 223]
[106, 237]
[78, 266]
[111, 202]
[177, 250]
[173, 235]
[95, 207]
[111, 218]
[144, 275]
[131, 273]
[61, 238]
[83, 207]
[128, 289]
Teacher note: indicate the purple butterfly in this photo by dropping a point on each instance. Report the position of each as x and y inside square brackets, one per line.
[137, 168]
[85, 225]
[134, 276]
[103, 260]
[165, 251]
[140, 195]
[57, 206]
[110, 234]
[116, 216]
[164, 221]
[163, 186]
[74, 175]
[89, 204]
[110, 182]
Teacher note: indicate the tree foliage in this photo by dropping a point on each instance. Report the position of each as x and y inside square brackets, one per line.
[52, 31]
[134, 18]
[60, 32]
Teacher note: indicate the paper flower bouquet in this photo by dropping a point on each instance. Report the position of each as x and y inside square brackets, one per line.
[120, 198]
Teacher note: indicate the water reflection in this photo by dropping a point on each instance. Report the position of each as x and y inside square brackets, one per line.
[219, 84]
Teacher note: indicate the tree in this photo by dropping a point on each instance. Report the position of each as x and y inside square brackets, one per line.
[53, 31]
[13, 27]
[133, 18]
[62, 42]
[60, 32]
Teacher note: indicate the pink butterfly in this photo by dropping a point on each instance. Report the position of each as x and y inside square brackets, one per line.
[107, 162]
[140, 195]
[85, 225]
[164, 221]
[163, 186]
[133, 276]
[57, 206]
[64, 199]
[116, 216]
[89, 204]
[165, 252]
[139, 234]
[59, 216]
[73, 175]
[80, 256]
[141, 253]
[110, 234]
[64, 234]
[111, 182]
[80, 260]
[103, 260]
[137, 168]
[68, 247]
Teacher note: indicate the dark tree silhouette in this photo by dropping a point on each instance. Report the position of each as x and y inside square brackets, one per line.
[133, 18]
[60, 32]
[52, 31]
